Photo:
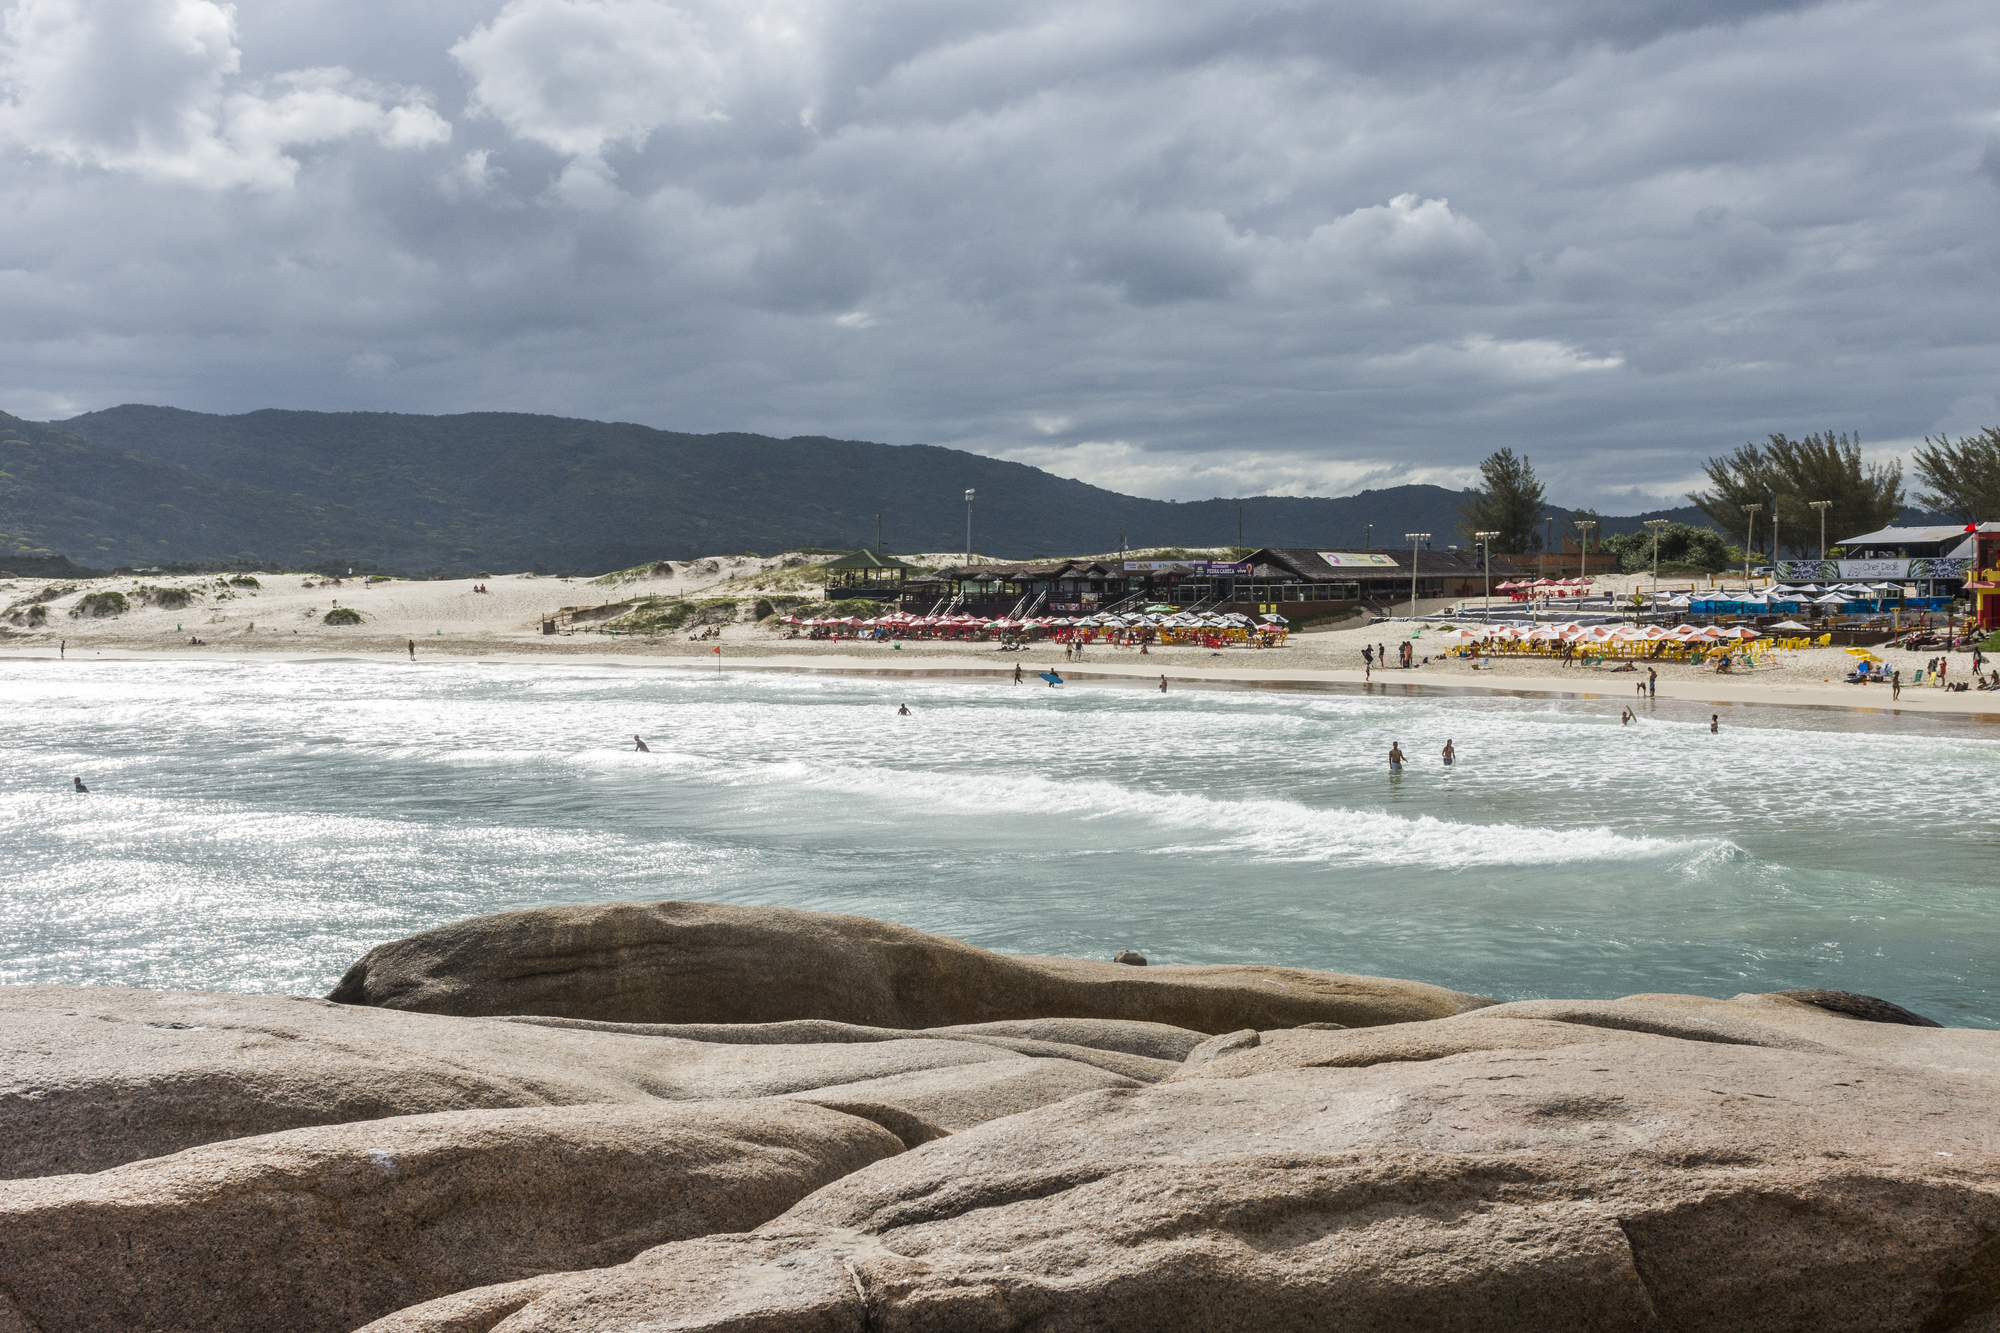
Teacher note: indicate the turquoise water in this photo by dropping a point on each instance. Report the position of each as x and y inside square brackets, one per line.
[257, 827]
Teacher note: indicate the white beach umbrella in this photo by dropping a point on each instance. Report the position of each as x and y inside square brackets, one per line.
[1790, 624]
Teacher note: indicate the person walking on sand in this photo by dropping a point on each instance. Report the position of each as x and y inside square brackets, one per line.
[640, 746]
[80, 787]
[1895, 685]
[1450, 754]
[1017, 673]
[1395, 756]
[62, 653]
[1367, 655]
[1652, 683]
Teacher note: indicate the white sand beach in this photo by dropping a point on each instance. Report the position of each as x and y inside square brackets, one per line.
[284, 614]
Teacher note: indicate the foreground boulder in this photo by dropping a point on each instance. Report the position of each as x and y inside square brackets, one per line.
[319, 1230]
[92, 1077]
[1660, 1163]
[680, 962]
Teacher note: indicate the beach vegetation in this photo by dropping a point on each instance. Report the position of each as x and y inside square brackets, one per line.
[652, 569]
[1964, 478]
[51, 592]
[766, 607]
[96, 605]
[661, 615]
[171, 599]
[244, 581]
[1684, 549]
[341, 615]
[1790, 474]
[1510, 500]
[852, 606]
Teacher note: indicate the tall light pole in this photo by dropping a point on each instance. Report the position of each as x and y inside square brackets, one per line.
[968, 526]
[1583, 527]
[1776, 519]
[1656, 524]
[1822, 506]
[1486, 547]
[1749, 537]
[1413, 538]
[1368, 538]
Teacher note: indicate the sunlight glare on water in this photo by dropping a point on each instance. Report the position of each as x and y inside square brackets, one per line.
[259, 826]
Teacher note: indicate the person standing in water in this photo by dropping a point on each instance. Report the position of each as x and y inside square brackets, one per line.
[1652, 683]
[1163, 685]
[413, 650]
[80, 787]
[1395, 756]
[1450, 754]
[1017, 673]
[1714, 723]
[904, 711]
[640, 746]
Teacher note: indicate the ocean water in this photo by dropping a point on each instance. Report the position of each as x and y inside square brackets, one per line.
[257, 827]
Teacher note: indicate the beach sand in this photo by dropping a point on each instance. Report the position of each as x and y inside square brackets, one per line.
[283, 617]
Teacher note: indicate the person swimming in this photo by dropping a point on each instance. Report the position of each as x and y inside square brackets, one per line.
[80, 787]
[640, 746]
[904, 711]
[1395, 756]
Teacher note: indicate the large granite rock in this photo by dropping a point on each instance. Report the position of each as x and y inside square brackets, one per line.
[1662, 1163]
[679, 962]
[319, 1230]
[91, 1077]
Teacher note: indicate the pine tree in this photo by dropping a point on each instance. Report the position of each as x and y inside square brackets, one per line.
[1790, 474]
[1964, 478]
[1511, 503]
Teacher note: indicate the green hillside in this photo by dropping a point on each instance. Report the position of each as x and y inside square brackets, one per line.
[503, 491]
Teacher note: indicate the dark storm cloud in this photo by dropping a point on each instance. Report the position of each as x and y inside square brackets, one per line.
[1180, 248]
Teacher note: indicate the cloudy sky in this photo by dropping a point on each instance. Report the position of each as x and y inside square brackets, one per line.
[1179, 247]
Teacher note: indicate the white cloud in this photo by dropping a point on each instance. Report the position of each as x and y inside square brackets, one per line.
[584, 76]
[1496, 358]
[1134, 469]
[146, 86]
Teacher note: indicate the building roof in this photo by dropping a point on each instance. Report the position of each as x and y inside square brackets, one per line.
[866, 559]
[1941, 535]
[1327, 564]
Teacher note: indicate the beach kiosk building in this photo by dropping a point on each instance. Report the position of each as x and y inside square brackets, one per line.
[869, 574]
[1296, 583]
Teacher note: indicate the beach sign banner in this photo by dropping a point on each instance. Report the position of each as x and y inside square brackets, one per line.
[1934, 567]
[1370, 558]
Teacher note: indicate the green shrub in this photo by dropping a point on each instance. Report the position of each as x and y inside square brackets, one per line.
[777, 605]
[53, 591]
[1992, 645]
[244, 581]
[173, 599]
[658, 615]
[99, 604]
[341, 615]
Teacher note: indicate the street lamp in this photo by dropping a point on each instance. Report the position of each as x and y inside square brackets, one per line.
[1486, 546]
[1583, 527]
[1656, 524]
[1413, 538]
[1749, 537]
[1822, 506]
[968, 526]
[1776, 519]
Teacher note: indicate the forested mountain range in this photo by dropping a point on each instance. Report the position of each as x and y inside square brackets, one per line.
[137, 485]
